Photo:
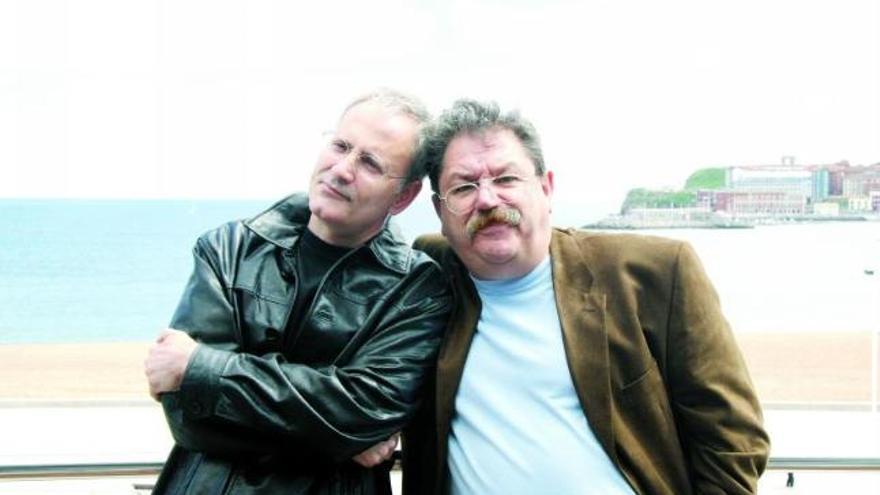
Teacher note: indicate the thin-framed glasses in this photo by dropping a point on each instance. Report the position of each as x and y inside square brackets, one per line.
[461, 198]
[365, 164]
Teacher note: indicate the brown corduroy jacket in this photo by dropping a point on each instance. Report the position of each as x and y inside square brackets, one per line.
[658, 373]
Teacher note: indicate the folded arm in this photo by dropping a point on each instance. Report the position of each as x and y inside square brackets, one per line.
[232, 402]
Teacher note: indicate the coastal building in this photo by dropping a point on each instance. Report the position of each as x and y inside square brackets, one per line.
[821, 179]
[791, 179]
[861, 182]
[760, 203]
[766, 192]
[836, 173]
[706, 198]
[859, 203]
[790, 189]
[826, 209]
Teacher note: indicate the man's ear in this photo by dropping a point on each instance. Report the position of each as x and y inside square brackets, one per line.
[436, 200]
[547, 183]
[405, 197]
[547, 187]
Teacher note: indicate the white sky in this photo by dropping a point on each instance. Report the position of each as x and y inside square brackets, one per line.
[227, 99]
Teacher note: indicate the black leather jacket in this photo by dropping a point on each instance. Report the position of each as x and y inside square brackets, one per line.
[247, 418]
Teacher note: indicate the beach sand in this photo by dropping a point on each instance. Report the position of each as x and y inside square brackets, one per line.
[73, 371]
[785, 367]
[809, 367]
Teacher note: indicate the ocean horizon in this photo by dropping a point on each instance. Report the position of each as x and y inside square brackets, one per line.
[74, 270]
[98, 270]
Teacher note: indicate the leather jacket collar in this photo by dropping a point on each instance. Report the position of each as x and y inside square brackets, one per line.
[283, 223]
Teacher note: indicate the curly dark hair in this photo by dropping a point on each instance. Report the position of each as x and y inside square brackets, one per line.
[471, 116]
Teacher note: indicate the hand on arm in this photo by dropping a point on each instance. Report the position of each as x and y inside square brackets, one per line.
[229, 401]
[342, 409]
[207, 315]
[379, 453]
[166, 361]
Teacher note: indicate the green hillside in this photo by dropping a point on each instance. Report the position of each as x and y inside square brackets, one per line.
[706, 178]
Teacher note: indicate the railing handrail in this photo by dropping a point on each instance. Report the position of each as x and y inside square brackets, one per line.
[153, 468]
[80, 470]
[824, 463]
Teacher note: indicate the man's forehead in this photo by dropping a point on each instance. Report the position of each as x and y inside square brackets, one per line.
[486, 137]
[376, 125]
[377, 112]
[489, 147]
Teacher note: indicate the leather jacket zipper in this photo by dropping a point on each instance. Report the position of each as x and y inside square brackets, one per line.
[289, 342]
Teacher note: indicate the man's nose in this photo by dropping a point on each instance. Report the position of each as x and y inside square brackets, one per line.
[344, 167]
[487, 198]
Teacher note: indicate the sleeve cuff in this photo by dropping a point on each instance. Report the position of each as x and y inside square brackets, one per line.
[200, 387]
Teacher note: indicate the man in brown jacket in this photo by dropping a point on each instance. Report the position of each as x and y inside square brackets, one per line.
[574, 362]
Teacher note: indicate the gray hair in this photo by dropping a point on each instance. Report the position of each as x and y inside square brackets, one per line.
[473, 117]
[405, 104]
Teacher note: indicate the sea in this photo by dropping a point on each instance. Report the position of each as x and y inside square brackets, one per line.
[113, 270]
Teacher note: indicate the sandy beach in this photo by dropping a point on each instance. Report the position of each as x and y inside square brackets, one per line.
[786, 368]
[809, 367]
[799, 368]
[73, 371]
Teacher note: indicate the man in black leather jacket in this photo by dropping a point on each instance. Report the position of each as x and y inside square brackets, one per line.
[303, 337]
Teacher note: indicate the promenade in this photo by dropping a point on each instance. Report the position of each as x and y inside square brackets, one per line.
[87, 404]
[122, 432]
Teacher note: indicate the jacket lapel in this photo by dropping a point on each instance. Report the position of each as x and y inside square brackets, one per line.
[581, 308]
[453, 353]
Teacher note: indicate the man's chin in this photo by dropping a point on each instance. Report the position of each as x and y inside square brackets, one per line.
[498, 246]
[327, 210]
[491, 262]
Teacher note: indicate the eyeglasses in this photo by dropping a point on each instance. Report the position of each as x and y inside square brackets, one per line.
[461, 198]
[365, 164]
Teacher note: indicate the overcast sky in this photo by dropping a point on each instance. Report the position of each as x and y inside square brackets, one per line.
[227, 99]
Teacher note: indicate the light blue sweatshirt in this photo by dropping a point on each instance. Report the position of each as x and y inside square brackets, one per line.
[518, 426]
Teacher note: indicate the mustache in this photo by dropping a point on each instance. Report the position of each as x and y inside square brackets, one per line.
[499, 214]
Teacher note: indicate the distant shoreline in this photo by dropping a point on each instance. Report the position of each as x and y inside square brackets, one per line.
[626, 222]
